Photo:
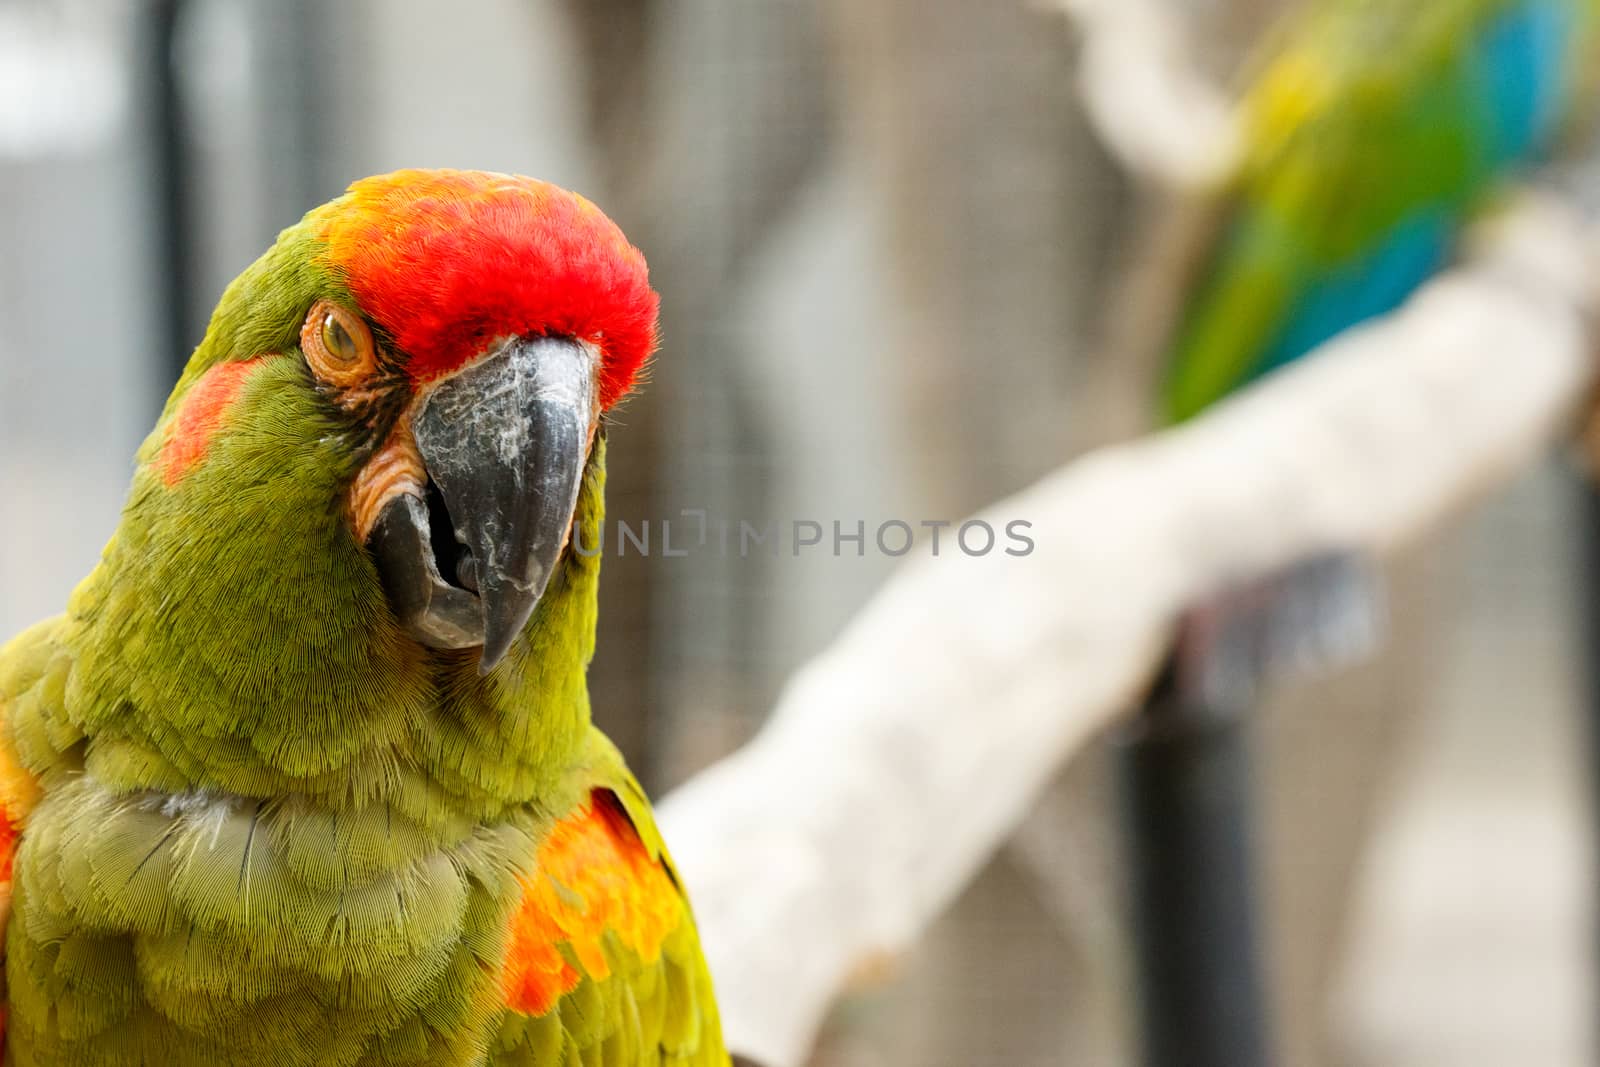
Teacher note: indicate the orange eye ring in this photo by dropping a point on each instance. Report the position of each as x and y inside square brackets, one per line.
[337, 345]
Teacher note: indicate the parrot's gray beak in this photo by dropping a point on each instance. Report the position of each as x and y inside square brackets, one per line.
[504, 443]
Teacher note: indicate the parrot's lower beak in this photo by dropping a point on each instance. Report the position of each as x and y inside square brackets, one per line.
[504, 443]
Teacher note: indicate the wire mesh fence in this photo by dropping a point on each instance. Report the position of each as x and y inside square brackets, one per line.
[887, 243]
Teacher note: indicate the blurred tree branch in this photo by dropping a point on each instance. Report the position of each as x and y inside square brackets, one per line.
[1151, 102]
[901, 758]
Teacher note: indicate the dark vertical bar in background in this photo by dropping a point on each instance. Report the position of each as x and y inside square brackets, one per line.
[300, 103]
[1588, 519]
[1188, 789]
[178, 327]
[296, 108]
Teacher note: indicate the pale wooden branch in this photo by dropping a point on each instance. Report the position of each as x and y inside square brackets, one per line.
[1151, 105]
[900, 758]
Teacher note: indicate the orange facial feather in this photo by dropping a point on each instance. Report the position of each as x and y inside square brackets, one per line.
[594, 877]
[189, 435]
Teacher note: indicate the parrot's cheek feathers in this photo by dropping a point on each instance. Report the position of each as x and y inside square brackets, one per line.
[504, 443]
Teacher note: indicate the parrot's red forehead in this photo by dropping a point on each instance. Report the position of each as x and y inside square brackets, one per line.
[448, 261]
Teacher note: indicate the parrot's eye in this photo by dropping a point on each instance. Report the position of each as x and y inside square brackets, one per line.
[337, 344]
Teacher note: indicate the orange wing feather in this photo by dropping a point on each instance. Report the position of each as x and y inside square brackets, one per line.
[19, 792]
[594, 876]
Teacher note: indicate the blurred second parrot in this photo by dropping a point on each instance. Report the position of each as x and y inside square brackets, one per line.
[1371, 135]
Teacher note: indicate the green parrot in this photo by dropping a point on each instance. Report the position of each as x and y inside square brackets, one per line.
[306, 774]
[1371, 135]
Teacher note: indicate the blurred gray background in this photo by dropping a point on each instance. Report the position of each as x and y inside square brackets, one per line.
[884, 237]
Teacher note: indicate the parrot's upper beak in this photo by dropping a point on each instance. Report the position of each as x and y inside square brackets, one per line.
[504, 443]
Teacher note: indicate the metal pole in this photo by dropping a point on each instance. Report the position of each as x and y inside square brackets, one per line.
[1188, 791]
[1589, 623]
[178, 327]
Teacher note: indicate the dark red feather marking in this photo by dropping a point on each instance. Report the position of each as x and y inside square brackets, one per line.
[8, 850]
[448, 261]
[189, 435]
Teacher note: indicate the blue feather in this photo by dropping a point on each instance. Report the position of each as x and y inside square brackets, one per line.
[1370, 285]
[1519, 67]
